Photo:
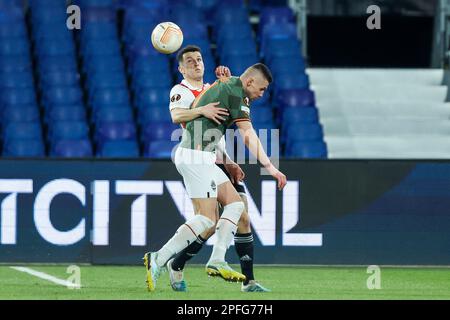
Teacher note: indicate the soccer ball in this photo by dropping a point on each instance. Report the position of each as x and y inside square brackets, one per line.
[167, 37]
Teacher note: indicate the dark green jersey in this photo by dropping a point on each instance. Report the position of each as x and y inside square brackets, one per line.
[203, 133]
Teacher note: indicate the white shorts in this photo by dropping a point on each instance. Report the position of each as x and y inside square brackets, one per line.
[200, 174]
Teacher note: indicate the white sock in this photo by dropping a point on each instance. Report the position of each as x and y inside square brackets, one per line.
[226, 229]
[185, 235]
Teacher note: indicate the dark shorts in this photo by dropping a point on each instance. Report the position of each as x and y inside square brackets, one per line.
[239, 187]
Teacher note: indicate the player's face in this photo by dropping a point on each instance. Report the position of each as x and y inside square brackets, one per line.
[255, 87]
[192, 66]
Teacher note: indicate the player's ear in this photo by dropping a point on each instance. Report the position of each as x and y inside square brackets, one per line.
[180, 69]
[250, 81]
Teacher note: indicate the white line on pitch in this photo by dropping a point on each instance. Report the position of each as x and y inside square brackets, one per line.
[46, 276]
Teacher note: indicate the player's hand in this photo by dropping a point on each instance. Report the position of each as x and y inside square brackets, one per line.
[235, 171]
[214, 113]
[278, 175]
[223, 72]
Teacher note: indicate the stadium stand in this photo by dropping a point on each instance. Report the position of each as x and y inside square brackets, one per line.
[103, 90]
[383, 113]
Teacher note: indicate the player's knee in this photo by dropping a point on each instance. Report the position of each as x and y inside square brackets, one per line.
[200, 224]
[233, 211]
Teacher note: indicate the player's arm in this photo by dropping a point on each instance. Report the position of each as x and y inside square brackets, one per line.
[235, 171]
[253, 143]
[209, 111]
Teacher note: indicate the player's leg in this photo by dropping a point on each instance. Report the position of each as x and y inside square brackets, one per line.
[244, 245]
[225, 230]
[175, 266]
[197, 179]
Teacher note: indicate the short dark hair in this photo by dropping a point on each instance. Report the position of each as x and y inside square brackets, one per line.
[189, 48]
[261, 67]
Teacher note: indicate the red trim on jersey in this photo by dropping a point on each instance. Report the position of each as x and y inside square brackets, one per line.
[194, 92]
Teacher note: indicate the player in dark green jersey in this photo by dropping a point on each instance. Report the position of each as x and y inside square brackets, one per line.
[205, 183]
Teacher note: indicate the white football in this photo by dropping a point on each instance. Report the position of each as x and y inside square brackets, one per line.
[167, 37]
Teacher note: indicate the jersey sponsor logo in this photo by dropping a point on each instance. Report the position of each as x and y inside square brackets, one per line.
[175, 97]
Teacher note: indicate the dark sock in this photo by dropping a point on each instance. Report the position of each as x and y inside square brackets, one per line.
[187, 254]
[243, 243]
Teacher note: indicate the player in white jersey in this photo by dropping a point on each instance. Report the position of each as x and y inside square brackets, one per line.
[181, 97]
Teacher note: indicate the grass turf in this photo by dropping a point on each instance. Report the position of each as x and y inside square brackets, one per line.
[289, 283]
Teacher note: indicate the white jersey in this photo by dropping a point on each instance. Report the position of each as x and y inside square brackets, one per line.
[183, 95]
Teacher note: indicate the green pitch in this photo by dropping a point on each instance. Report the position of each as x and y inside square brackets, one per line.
[119, 282]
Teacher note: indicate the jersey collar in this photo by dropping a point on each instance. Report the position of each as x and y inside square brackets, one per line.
[191, 87]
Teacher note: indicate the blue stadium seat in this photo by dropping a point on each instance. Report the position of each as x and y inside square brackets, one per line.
[98, 31]
[103, 63]
[136, 50]
[300, 115]
[276, 15]
[95, 3]
[112, 114]
[20, 114]
[262, 102]
[277, 31]
[141, 81]
[24, 148]
[68, 130]
[50, 30]
[160, 149]
[228, 49]
[281, 47]
[11, 15]
[288, 64]
[54, 46]
[304, 132]
[22, 130]
[104, 80]
[295, 98]
[15, 97]
[14, 47]
[15, 64]
[157, 114]
[62, 96]
[183, 12]
[99, 14]
[240, 64]
[119, 149]
[231, 15]
[41, 15]
[17, 30]
[71, 148]
[239, 32]
[268, 125]
[106, 131]
[152, 97]
[104, 47]
[149, 17]
[193, 29]
[11, 3]
[66, 113]
[315, 149]
[158, 131]
[261, 114]
[43, 4]
[144, 64]
[60, 79]
[107, 97]
[16, 80]
[291, 81]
